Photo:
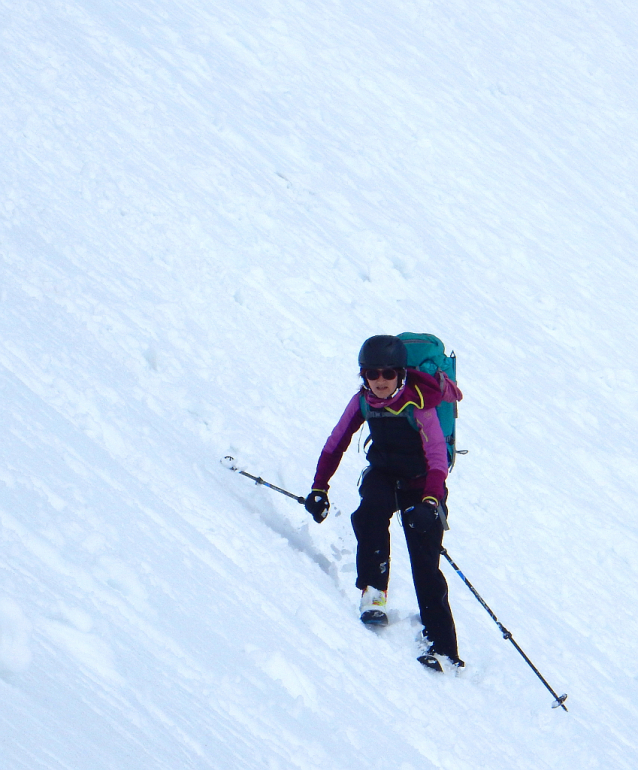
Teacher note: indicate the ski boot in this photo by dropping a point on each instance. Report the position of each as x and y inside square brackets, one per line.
[373, 607]
[431, 660]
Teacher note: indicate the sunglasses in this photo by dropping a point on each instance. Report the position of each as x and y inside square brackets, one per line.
[374, 374]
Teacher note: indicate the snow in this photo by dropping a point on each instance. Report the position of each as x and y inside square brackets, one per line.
[205, 210]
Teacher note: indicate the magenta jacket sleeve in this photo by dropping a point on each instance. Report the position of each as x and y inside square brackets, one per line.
[339, 440]
[435, 451]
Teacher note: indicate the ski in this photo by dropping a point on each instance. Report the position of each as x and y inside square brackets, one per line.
[374, 618]
[431, 663]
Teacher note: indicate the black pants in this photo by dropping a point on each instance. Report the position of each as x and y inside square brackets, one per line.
[380, 498]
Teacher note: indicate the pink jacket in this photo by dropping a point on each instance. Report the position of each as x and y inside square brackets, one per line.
[422, 391]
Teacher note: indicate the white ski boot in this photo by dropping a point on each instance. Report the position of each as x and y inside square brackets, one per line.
[373, 607]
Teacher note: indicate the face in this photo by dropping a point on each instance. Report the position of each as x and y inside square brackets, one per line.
[383, 388]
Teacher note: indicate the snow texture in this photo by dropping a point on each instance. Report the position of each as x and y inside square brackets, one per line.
[205, 209]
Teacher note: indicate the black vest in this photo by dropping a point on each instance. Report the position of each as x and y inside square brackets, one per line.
[396, 445]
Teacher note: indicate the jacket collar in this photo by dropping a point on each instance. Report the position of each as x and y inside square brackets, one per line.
[420, 390]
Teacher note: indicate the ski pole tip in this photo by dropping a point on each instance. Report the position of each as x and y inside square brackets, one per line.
[228, 462]
[560, 702]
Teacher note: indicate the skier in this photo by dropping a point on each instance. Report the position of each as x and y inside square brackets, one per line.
[407, 472]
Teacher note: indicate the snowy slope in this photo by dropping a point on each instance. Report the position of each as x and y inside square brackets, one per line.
[205, 210]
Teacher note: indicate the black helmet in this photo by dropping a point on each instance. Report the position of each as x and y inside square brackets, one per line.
[383, 352]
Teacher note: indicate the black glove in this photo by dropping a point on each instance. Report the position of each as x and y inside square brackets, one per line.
[317, 505]
[422, 515]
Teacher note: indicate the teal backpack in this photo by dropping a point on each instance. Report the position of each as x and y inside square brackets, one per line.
[427, 354]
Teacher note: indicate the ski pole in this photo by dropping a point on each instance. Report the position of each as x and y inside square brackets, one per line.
[229, 462]
[559, 699]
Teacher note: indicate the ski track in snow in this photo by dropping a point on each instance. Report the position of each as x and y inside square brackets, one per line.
[204, 212]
